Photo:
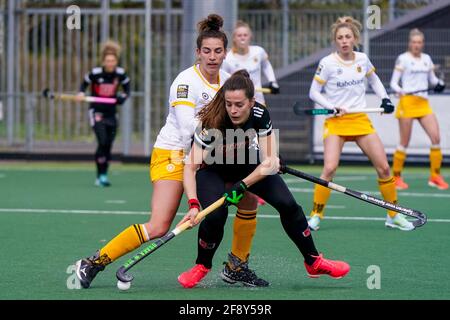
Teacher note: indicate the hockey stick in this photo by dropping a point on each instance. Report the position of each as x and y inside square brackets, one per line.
[298, 110]
[441, 78]
[71, 97]
[420, 218]
[418, 91]
[121, 273]
[264, 90]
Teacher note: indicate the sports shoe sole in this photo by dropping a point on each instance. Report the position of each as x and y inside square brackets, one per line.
[434, 185]
[319, 275]
[226, 279]
[394, 226]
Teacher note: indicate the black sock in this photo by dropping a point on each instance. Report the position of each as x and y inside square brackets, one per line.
[206, 247]
[296, 227]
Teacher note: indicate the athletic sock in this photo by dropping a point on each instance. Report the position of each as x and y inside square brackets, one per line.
[321, 195]
[102, 165]
[126, 241]
[388, 191]
[295, 224]
[398, 162]
[435, 161]
[244, 229]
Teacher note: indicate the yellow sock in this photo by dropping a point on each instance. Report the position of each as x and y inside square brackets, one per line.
[321, 195]
[435, 161]
[126, 241]
[388, 191]
[398, 163]
[244, 229]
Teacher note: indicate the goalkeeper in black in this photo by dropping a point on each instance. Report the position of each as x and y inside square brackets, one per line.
[105, 82]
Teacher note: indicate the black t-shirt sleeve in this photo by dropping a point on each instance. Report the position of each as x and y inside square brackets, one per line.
[206, 138]
[263, 123]
[125, 82]
[87, 80]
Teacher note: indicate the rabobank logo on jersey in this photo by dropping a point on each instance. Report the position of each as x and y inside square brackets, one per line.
[344, 84]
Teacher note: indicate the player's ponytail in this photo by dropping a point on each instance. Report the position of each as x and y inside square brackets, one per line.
[110, 48]
[211, 27]
[350, 23]
[214, 114]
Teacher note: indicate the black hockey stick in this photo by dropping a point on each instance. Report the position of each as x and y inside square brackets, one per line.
[420, 218]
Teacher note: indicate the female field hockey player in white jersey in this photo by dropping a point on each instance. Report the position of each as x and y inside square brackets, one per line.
[254, 59]
[191, 90]
[341, 75]
[415, 69]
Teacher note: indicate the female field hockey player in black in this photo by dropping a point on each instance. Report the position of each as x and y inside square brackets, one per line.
[208, 172]
[191, 90]
[105, 82]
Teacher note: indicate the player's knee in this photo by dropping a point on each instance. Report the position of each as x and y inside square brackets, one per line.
[294, 213]
[329, 171]
[286, 206]
[217, 220]
[248, 202]
[156, 230]
[383, 170]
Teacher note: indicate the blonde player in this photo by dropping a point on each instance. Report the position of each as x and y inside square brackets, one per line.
[191, 90]
[254, 59]
[341, 75]
[415, 69]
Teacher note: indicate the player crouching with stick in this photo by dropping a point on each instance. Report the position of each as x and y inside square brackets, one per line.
[234, 108]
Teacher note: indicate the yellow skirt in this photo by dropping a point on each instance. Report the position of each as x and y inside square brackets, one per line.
[166, 165]
[413, 107]
[348, 125]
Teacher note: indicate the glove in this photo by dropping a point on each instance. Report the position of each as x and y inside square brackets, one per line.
[120, 98]
[235, 193]
[439, 87]
[274, 87]
[387, 105]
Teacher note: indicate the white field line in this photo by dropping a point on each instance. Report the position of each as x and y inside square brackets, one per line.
[116, 201]
[109, 212]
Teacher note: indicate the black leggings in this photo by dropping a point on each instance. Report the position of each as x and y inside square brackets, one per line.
[211, 186]
[105, 131]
